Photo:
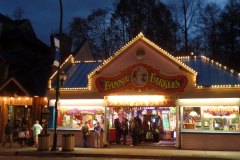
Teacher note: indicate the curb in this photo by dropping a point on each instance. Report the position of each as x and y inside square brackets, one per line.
[102, 155]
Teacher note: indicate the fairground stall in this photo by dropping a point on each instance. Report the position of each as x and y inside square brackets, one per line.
[190, 101]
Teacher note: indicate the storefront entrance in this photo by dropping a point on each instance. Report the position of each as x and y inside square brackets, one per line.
[20, 115]
[157, 125]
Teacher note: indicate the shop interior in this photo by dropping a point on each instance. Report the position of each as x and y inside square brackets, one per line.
[158, 124]
[74, 117]
[211, 118]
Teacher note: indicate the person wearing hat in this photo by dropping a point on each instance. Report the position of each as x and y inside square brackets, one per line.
[8, 133]
[85, 132]
[37, 129]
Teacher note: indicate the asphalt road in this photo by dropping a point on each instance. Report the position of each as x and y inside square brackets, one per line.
[86, 158]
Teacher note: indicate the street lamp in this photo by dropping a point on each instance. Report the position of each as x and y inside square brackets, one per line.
[55, 148]
[192, 53]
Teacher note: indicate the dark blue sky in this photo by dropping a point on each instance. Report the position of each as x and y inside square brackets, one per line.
[45, 14]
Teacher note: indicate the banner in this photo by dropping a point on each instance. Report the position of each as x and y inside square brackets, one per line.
[57, 47]
[140, 77]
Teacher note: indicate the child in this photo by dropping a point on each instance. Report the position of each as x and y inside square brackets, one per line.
[124, 132]
[26, 139]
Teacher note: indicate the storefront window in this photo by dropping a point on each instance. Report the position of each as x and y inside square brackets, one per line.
[221, 118]
[70, 117]
[211, 118]
[191, 118]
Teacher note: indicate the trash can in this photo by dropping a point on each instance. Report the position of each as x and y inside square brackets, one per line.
[68, 142]
[43, 142]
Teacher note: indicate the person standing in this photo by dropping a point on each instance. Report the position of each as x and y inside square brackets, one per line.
[85, 132]
[8, 133]
[118, 130]
[97, 130]
[125, 123]
[37, 129]
[134, 129]
[139, 134]
[124, 132]
[21, 134]
[26, 139]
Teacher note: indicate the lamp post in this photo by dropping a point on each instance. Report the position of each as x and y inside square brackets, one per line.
[55, 148]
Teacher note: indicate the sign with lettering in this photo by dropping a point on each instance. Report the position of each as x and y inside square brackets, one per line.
[76, 111]
[140, 77]
[221, 111]
[142, 103]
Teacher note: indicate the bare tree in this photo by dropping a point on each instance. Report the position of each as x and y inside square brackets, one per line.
[208, 20]
[184, 12]
[17, 13]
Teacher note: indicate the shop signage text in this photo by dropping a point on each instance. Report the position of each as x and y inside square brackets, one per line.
[221, 111]
[76, 111]
[140, 77]
[142, 103]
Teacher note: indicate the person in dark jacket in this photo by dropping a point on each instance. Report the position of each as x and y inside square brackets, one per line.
[134, 130]
[8, 133]
[124, 122]
[118, 130]
[139, 134]
[124, 132]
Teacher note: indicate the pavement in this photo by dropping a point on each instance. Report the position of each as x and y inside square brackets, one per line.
[121, 151]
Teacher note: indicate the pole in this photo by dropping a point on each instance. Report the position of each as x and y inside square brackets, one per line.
[55, 148]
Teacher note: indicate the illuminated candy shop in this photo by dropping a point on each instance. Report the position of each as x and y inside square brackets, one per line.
[189, 102]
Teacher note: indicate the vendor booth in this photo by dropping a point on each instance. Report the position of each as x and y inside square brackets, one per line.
[191, 100]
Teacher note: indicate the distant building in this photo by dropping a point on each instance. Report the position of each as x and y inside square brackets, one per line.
[25, 66]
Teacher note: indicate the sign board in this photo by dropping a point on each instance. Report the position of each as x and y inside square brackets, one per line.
[142, 103]
[221, 111]
[76, 111]
[141, 77]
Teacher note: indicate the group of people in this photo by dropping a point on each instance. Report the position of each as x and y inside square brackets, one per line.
[23, 134]
[134, 129]
[86, 133]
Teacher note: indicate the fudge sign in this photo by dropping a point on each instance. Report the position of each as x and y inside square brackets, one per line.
[141, 77]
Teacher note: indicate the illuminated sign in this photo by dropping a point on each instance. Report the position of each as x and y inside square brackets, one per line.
[221, 111]
[142, 103]
[140, 77]
[77, 111]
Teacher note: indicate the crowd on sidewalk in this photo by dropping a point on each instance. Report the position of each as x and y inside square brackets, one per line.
[134, 128]
[23, 134]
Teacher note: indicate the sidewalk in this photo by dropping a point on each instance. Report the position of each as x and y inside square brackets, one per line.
[140, 152]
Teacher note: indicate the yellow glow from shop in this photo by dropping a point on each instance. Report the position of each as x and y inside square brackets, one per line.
[135, 98]
[82, 107]
[211, 116]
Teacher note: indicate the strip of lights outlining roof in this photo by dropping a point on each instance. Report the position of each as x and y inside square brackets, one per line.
[176, 59]
[140, 35]
[218, 65]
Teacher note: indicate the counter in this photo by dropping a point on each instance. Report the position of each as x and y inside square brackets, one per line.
[210, 140]
[78, 138]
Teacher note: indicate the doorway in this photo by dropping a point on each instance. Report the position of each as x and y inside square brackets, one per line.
[158, 125]
[20, 115]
